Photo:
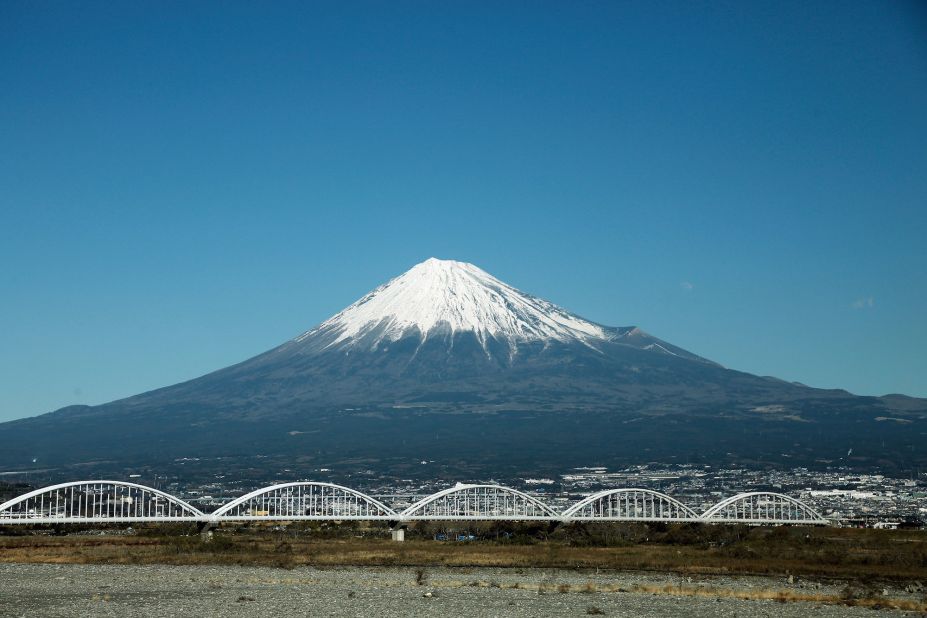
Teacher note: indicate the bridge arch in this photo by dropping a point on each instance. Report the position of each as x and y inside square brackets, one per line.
[96, 501]
[479, 502]
[306, 500]
[629, 504]
[763, 507]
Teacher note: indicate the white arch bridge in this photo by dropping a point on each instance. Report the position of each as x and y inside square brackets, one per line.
[119, 501]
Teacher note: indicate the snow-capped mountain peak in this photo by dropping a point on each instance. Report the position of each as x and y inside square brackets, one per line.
[449, 297]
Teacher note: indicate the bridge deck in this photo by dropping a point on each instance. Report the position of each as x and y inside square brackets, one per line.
[83, 502]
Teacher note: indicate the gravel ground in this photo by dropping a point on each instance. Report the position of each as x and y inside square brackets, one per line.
[98, 590]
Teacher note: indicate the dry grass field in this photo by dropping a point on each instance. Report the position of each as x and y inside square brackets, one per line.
[866, 560]
[826, 552]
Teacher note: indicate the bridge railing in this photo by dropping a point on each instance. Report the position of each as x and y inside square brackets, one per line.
[628, 504]
[96, 501]
[479, 502]
[308, 500]
[763, 507]
[119, 501]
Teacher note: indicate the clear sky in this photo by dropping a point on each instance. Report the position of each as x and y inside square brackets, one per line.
[185, 185]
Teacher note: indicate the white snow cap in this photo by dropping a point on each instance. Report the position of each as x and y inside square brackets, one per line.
[457, 296]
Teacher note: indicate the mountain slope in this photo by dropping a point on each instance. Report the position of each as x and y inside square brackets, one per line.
[448, 362]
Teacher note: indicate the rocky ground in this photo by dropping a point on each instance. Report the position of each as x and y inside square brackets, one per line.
[69, 590]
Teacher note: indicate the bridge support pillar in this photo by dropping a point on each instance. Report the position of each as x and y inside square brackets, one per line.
[206, 530]
[397, 531]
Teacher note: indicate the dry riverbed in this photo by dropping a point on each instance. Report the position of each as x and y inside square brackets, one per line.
[209, 590]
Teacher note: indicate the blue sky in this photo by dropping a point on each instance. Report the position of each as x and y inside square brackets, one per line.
[183, 186]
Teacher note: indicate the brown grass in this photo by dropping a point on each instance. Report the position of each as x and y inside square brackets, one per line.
[713, 592]
[861, 557]
[835, 553]
[783, 596]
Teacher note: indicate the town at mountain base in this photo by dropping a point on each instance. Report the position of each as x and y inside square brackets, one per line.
[447, 364]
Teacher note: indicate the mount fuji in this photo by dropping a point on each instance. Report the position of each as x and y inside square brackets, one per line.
[448, 364]
[447, 301]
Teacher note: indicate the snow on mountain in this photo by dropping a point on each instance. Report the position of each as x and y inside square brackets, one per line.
[447, 297]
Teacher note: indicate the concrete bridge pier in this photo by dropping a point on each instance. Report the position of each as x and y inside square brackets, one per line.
[205, 528]
[397, 531]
